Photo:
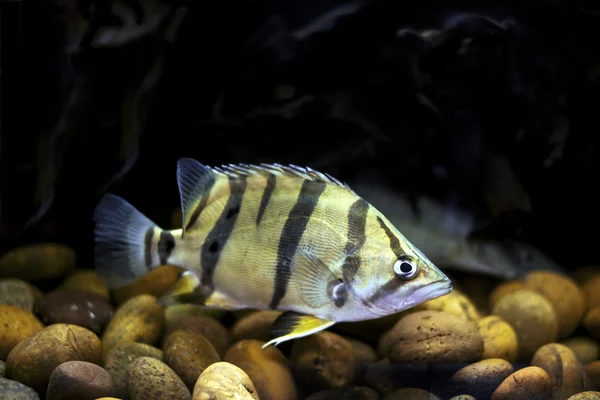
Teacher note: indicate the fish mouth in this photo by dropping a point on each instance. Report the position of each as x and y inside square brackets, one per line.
[427, 293]
[421, 295]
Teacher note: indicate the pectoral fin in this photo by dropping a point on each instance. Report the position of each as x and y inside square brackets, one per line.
[314, 278]
[291, 325]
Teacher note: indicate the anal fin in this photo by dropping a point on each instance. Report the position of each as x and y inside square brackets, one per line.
[186, 290]
[189, 290]
[291, 325]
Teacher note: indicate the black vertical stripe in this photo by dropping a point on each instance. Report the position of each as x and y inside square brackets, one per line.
[219, 234]
[148, 247]
[166, 244]
[292, 232]
[394, 242]
[205, 195]
[264, 201]
[357, 223]
[394, 283]
[385, 290]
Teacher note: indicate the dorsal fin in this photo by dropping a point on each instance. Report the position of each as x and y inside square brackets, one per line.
[237, 170]
[195, 182]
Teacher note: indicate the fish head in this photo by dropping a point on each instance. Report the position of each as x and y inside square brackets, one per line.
[396, 274]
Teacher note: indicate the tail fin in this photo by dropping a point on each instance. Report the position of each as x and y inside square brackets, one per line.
[126, 242]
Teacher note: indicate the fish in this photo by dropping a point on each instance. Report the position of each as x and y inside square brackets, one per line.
[445, 233]
[270, 237]
[529, 258]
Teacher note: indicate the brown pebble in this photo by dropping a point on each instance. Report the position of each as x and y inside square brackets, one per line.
[411, 394]
[586, 349]
[33, 360]
[224, 381]
[363, 353]
[139, 319]
[17, 293]
[256, 325]
[583, 274]
[566, 372]
[386, 377]
[323, 360]
[503, 289]
[119, 358]
[381, 376]
[591, 292]
[593, 372]
[189, 354]
[17, 325]
[86, 280]
[346, 393]
[532, 317]
[13, 390]
[591, 322]
[37, 261]
[85, 309]
[480, 379]
[149, 378]
[432, 337]
[585, 396]
[499, 339]
[530, 383]
[78, 380]
[177, 311]
[564, 295]
[267, 368]
[155, 283]
[206, 326]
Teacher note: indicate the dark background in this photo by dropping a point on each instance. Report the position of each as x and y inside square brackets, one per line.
[500, 81]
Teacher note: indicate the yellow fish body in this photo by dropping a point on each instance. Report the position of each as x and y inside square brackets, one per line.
[271, 237]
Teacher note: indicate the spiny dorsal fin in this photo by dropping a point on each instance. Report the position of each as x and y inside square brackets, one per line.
[195, 182]
[238, 170]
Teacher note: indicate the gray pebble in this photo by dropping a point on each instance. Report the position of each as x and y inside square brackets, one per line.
[13, 390]
[17, 293]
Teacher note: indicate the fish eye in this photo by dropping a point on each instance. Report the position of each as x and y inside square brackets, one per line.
[406, 268]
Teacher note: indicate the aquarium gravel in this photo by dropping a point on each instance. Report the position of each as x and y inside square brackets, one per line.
[533, 338]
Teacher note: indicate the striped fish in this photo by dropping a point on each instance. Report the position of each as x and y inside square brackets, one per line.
[271, 237]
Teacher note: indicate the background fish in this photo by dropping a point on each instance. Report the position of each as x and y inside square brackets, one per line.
[271, 237]
[445, 234]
